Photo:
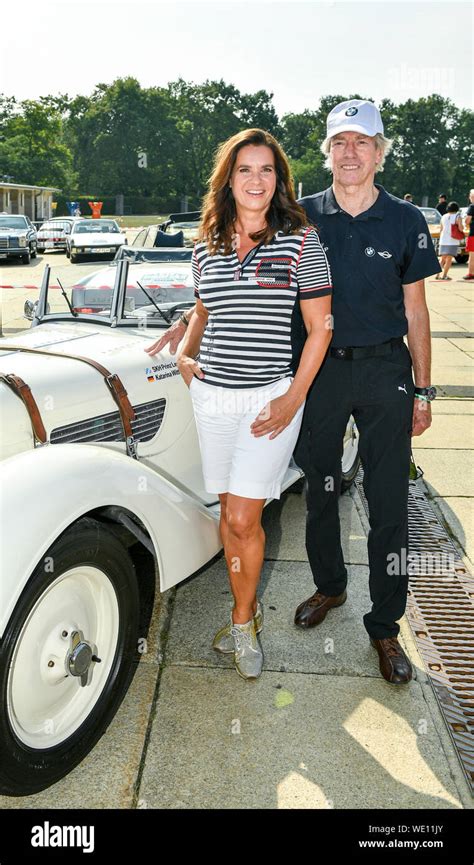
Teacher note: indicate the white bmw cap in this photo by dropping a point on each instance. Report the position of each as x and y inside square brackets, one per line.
[354, 115]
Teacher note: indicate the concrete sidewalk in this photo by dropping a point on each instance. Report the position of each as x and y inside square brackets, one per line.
[320, 728]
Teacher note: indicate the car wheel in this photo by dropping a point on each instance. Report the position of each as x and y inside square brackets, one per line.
[33, 251]
[26, 258]
[68, 254]
[72, 258]
[80, 605]
[350, 456]
[461, 258]
[40, 249]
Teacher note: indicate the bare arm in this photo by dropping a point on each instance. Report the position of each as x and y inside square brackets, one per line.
[173, 336]
[318, 322]
[186, 362]
[419, 344]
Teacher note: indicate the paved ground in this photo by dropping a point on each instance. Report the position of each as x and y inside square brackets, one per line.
[321, 728]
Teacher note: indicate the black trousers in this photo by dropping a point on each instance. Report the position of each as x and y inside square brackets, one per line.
[379, 393]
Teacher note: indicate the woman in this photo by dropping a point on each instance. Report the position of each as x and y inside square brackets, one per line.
[448, 245]
[256, 255]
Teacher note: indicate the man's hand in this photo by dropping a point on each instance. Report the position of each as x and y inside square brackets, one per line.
[276, 415]
[421, 416]
[188, 368]
[173, 336]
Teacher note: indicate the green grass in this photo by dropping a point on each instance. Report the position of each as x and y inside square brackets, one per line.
[136, 221]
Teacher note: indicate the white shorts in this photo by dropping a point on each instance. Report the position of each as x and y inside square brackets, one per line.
[234, 460]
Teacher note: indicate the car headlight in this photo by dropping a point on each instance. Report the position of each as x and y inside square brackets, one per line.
[22, 241]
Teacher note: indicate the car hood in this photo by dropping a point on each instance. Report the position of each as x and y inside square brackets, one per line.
[15, 231]
[68, 391]
[97, 239]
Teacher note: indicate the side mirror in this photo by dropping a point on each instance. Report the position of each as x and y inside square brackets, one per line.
[29, 309]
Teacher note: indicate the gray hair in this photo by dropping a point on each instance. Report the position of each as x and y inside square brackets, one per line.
[383, 144]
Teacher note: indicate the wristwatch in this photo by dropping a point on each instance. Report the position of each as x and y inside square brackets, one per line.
[426, 393]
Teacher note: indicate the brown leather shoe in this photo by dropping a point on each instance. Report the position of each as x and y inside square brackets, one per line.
[313, 611]
[394, 664]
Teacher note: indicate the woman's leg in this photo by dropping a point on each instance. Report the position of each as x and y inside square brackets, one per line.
[244, 546]
[223, 528]
[448, 260]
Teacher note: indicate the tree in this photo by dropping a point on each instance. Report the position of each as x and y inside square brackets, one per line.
[32, 149]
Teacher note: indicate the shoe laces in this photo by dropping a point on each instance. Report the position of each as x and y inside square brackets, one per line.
[391, 646]
[315, 600]
[242, 638]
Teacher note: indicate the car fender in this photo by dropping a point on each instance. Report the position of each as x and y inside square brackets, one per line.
[46, 489]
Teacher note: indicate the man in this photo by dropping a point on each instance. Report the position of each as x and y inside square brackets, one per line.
[470, 239]
[442, 205]
[408, 197]
[380, 252]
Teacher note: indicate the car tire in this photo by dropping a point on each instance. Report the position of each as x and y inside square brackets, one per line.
[72, 258]
[351, 458]
[26, 258]
[40, 250]
[68, 254]
[33, 251]
[462, 258]
[51, 716]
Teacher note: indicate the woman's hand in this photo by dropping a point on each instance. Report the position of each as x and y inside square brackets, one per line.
[188, 368]
[275, 417]
[173, 336]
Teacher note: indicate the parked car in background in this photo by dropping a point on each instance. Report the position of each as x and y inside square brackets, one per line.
[157, 253]
[180, 229]
[433, 219]
[101, 461]
[18, 237]
[94, 237]
[53, 234]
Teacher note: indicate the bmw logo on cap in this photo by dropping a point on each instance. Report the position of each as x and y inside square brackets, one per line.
[351, 111]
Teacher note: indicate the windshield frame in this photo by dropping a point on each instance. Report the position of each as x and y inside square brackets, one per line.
[115, 318]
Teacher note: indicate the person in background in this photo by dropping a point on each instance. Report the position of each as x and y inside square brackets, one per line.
[408, 197]
[257, 258]
[442, 204]
[448, 245]
[470, 239]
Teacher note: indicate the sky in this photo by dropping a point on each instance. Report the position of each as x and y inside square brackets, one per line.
[299, 51]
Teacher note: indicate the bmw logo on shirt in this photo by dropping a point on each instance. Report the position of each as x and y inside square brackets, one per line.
[370, 251]
[351, 111]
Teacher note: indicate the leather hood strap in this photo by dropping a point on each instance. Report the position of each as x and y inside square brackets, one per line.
[112, 380]
[21, 389]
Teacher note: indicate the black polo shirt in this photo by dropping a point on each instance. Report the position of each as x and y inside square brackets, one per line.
[372, 256]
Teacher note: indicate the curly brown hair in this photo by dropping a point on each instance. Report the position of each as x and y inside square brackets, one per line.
[219, 211]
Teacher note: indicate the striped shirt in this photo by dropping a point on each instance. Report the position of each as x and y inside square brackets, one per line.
[247, 339]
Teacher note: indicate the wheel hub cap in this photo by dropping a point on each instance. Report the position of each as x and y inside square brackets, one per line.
[80, 657]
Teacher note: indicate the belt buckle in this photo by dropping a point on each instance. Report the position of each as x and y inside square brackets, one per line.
[341, 352]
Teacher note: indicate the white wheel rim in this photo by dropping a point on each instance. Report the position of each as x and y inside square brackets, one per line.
[351, 442]
[45, 704]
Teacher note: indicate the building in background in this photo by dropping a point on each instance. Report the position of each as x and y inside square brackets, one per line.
[33, 201]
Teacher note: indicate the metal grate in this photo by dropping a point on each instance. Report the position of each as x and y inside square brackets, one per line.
[440, 611]
[108, 427]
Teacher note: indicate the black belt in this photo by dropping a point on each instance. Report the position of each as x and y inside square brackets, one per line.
[356, 352]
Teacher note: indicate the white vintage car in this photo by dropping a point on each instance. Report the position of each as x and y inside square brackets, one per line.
[94, 237]
[99, 457]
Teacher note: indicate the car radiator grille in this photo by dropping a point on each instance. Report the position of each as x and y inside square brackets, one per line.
[3, 242]
[108, 427]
